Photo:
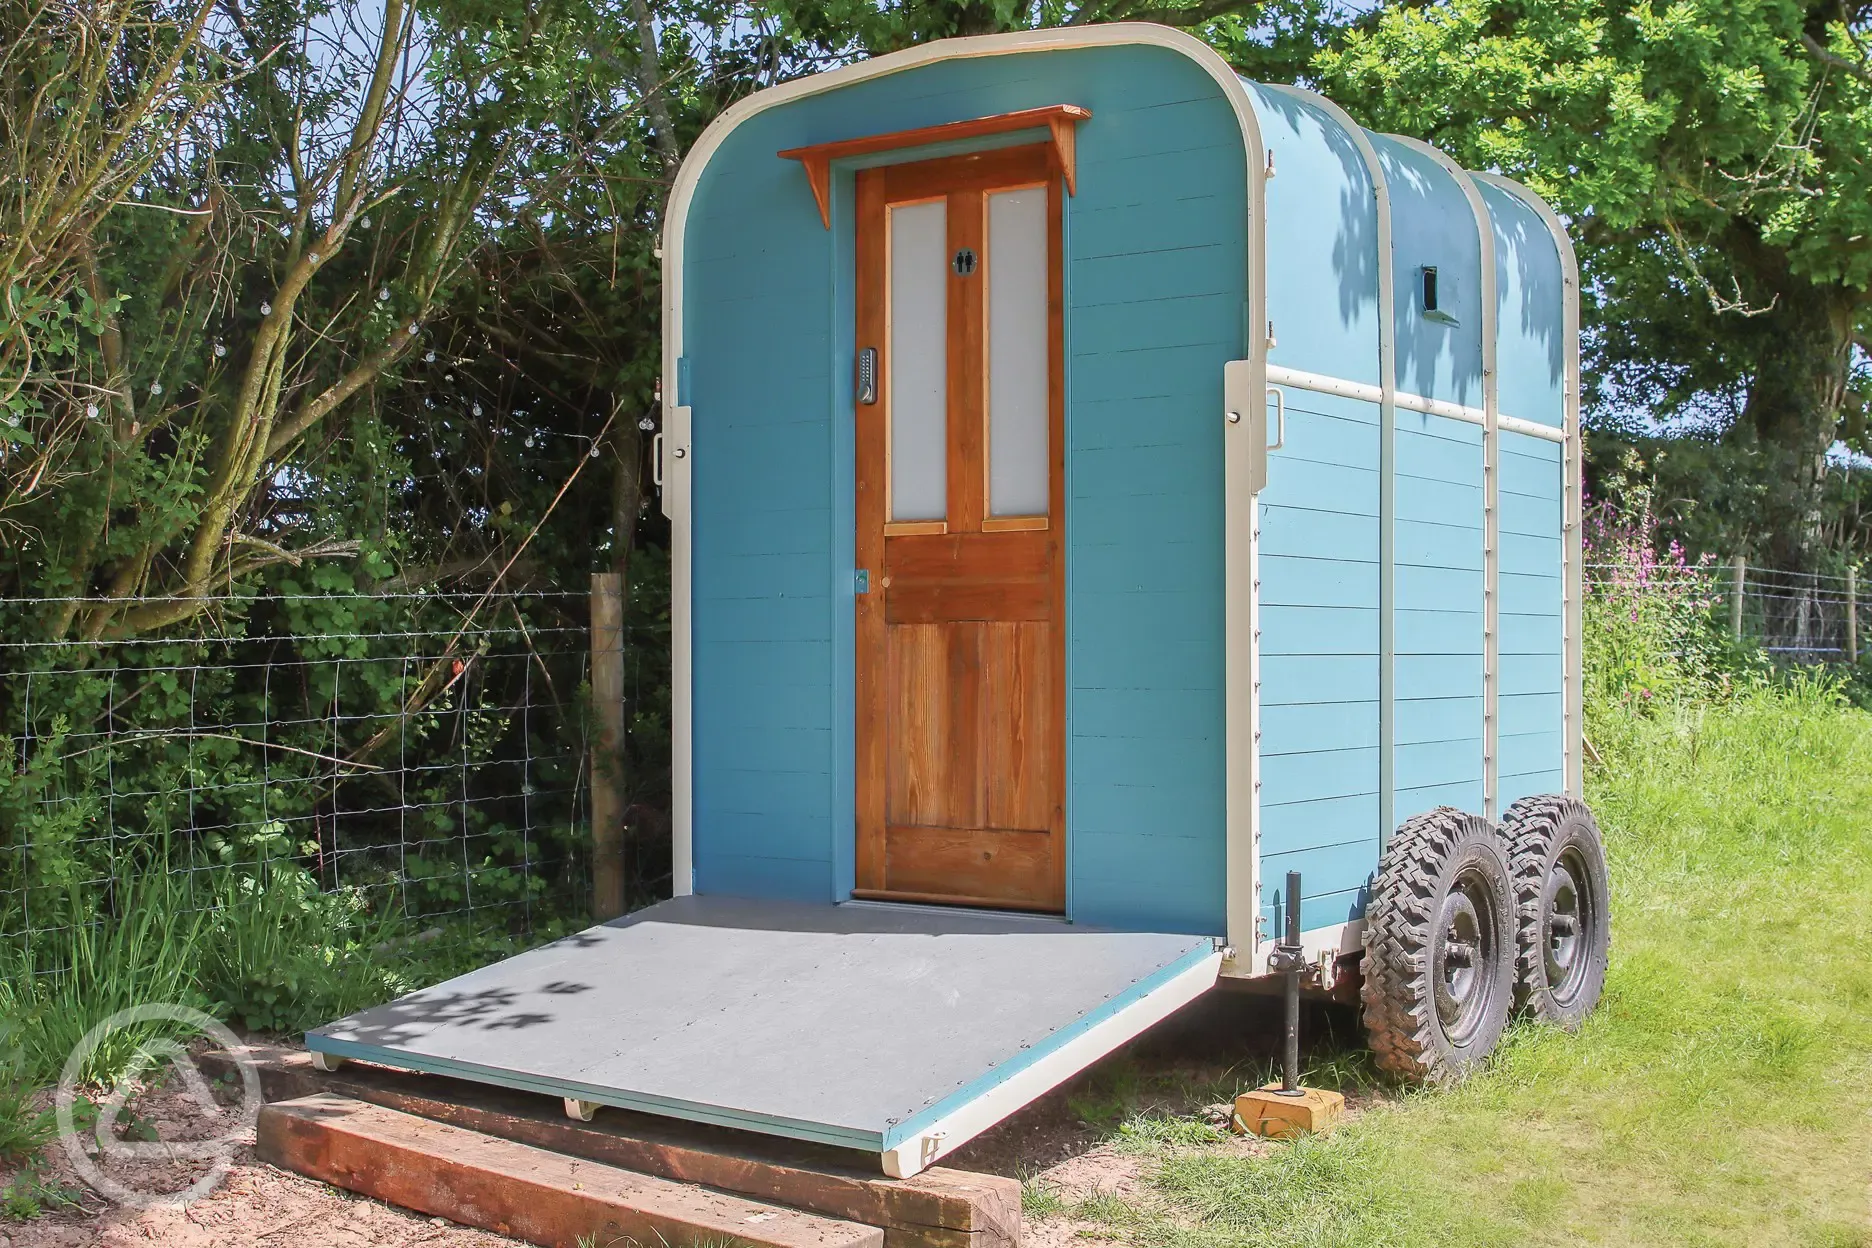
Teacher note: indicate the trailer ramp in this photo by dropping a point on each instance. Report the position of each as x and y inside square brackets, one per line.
[901, 1031]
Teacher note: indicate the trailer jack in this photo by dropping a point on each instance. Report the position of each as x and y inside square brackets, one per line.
[1285, 1109]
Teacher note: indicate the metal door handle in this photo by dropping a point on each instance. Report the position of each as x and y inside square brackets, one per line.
[656, 461]
[1280, 417]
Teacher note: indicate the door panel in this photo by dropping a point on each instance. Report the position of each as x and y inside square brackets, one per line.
[1017, 723]
[934, 703]
[960, 662]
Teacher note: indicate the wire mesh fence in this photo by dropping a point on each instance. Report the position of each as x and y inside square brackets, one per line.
[1803, 616]
[428, 753]
[1799, 617]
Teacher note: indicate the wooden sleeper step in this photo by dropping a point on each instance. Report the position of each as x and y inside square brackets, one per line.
[939, 1208]
[515, 1189]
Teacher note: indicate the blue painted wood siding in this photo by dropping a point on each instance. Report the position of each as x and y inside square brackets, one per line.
[1319, 522]
[1439, 526]
[1531, 361]
[1156, 294]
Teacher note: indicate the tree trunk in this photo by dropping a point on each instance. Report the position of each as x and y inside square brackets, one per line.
[1795, 402]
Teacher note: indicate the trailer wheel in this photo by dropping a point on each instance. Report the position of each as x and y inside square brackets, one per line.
[1439, 947]
[1562, 894]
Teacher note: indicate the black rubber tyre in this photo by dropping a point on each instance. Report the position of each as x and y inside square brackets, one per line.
[1439, 947]
[1563, 898]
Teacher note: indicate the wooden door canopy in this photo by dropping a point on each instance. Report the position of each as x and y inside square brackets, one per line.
[1058, 119]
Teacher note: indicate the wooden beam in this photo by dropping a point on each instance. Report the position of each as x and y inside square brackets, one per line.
[515, 1189]
[939, 1208]
[1059, 120]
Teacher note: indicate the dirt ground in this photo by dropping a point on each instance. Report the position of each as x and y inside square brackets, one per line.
[1067, 1144]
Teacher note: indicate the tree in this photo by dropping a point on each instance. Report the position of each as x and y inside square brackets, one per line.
[228, 224]
[1715, 164]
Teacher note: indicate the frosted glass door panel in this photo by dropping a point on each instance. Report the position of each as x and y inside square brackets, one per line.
[1017, 353]
[918, 368]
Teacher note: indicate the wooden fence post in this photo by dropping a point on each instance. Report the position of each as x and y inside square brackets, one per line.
[1735, 596]
[607, 762]
[1852, 614]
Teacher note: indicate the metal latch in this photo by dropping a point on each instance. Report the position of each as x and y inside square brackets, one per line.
[861, 580]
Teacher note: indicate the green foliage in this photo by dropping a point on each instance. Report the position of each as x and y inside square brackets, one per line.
[25, 1127]
[280, 955]
[137, 946]
[29, 1195]
[1648, 616]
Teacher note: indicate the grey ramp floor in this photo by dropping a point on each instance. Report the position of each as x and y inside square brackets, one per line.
[851, 1017]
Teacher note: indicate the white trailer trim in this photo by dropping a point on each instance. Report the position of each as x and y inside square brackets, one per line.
[1239, 506]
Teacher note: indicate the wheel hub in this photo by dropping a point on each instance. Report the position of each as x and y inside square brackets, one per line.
[1565, 921]
[1461, 957]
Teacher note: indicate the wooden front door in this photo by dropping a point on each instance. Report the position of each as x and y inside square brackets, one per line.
[960, 663]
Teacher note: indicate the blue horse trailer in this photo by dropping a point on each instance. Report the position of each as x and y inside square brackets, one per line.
[1100, 487]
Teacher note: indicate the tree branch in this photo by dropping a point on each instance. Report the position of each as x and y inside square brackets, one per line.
[319, 406]
[1826, 56]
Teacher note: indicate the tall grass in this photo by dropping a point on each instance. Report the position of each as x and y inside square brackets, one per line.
[264, 949]
[140, 948]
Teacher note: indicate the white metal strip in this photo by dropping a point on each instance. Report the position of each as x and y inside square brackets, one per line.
[1547, 433]
[1239, 519]
[1299, 379]
[1280, 375]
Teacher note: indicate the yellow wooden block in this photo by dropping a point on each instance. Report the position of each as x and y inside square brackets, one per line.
[1266, 1112]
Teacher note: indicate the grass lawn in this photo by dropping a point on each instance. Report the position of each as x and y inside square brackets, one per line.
[1719, 1095]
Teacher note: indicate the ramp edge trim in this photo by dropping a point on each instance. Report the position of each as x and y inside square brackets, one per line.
[919, 1142]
